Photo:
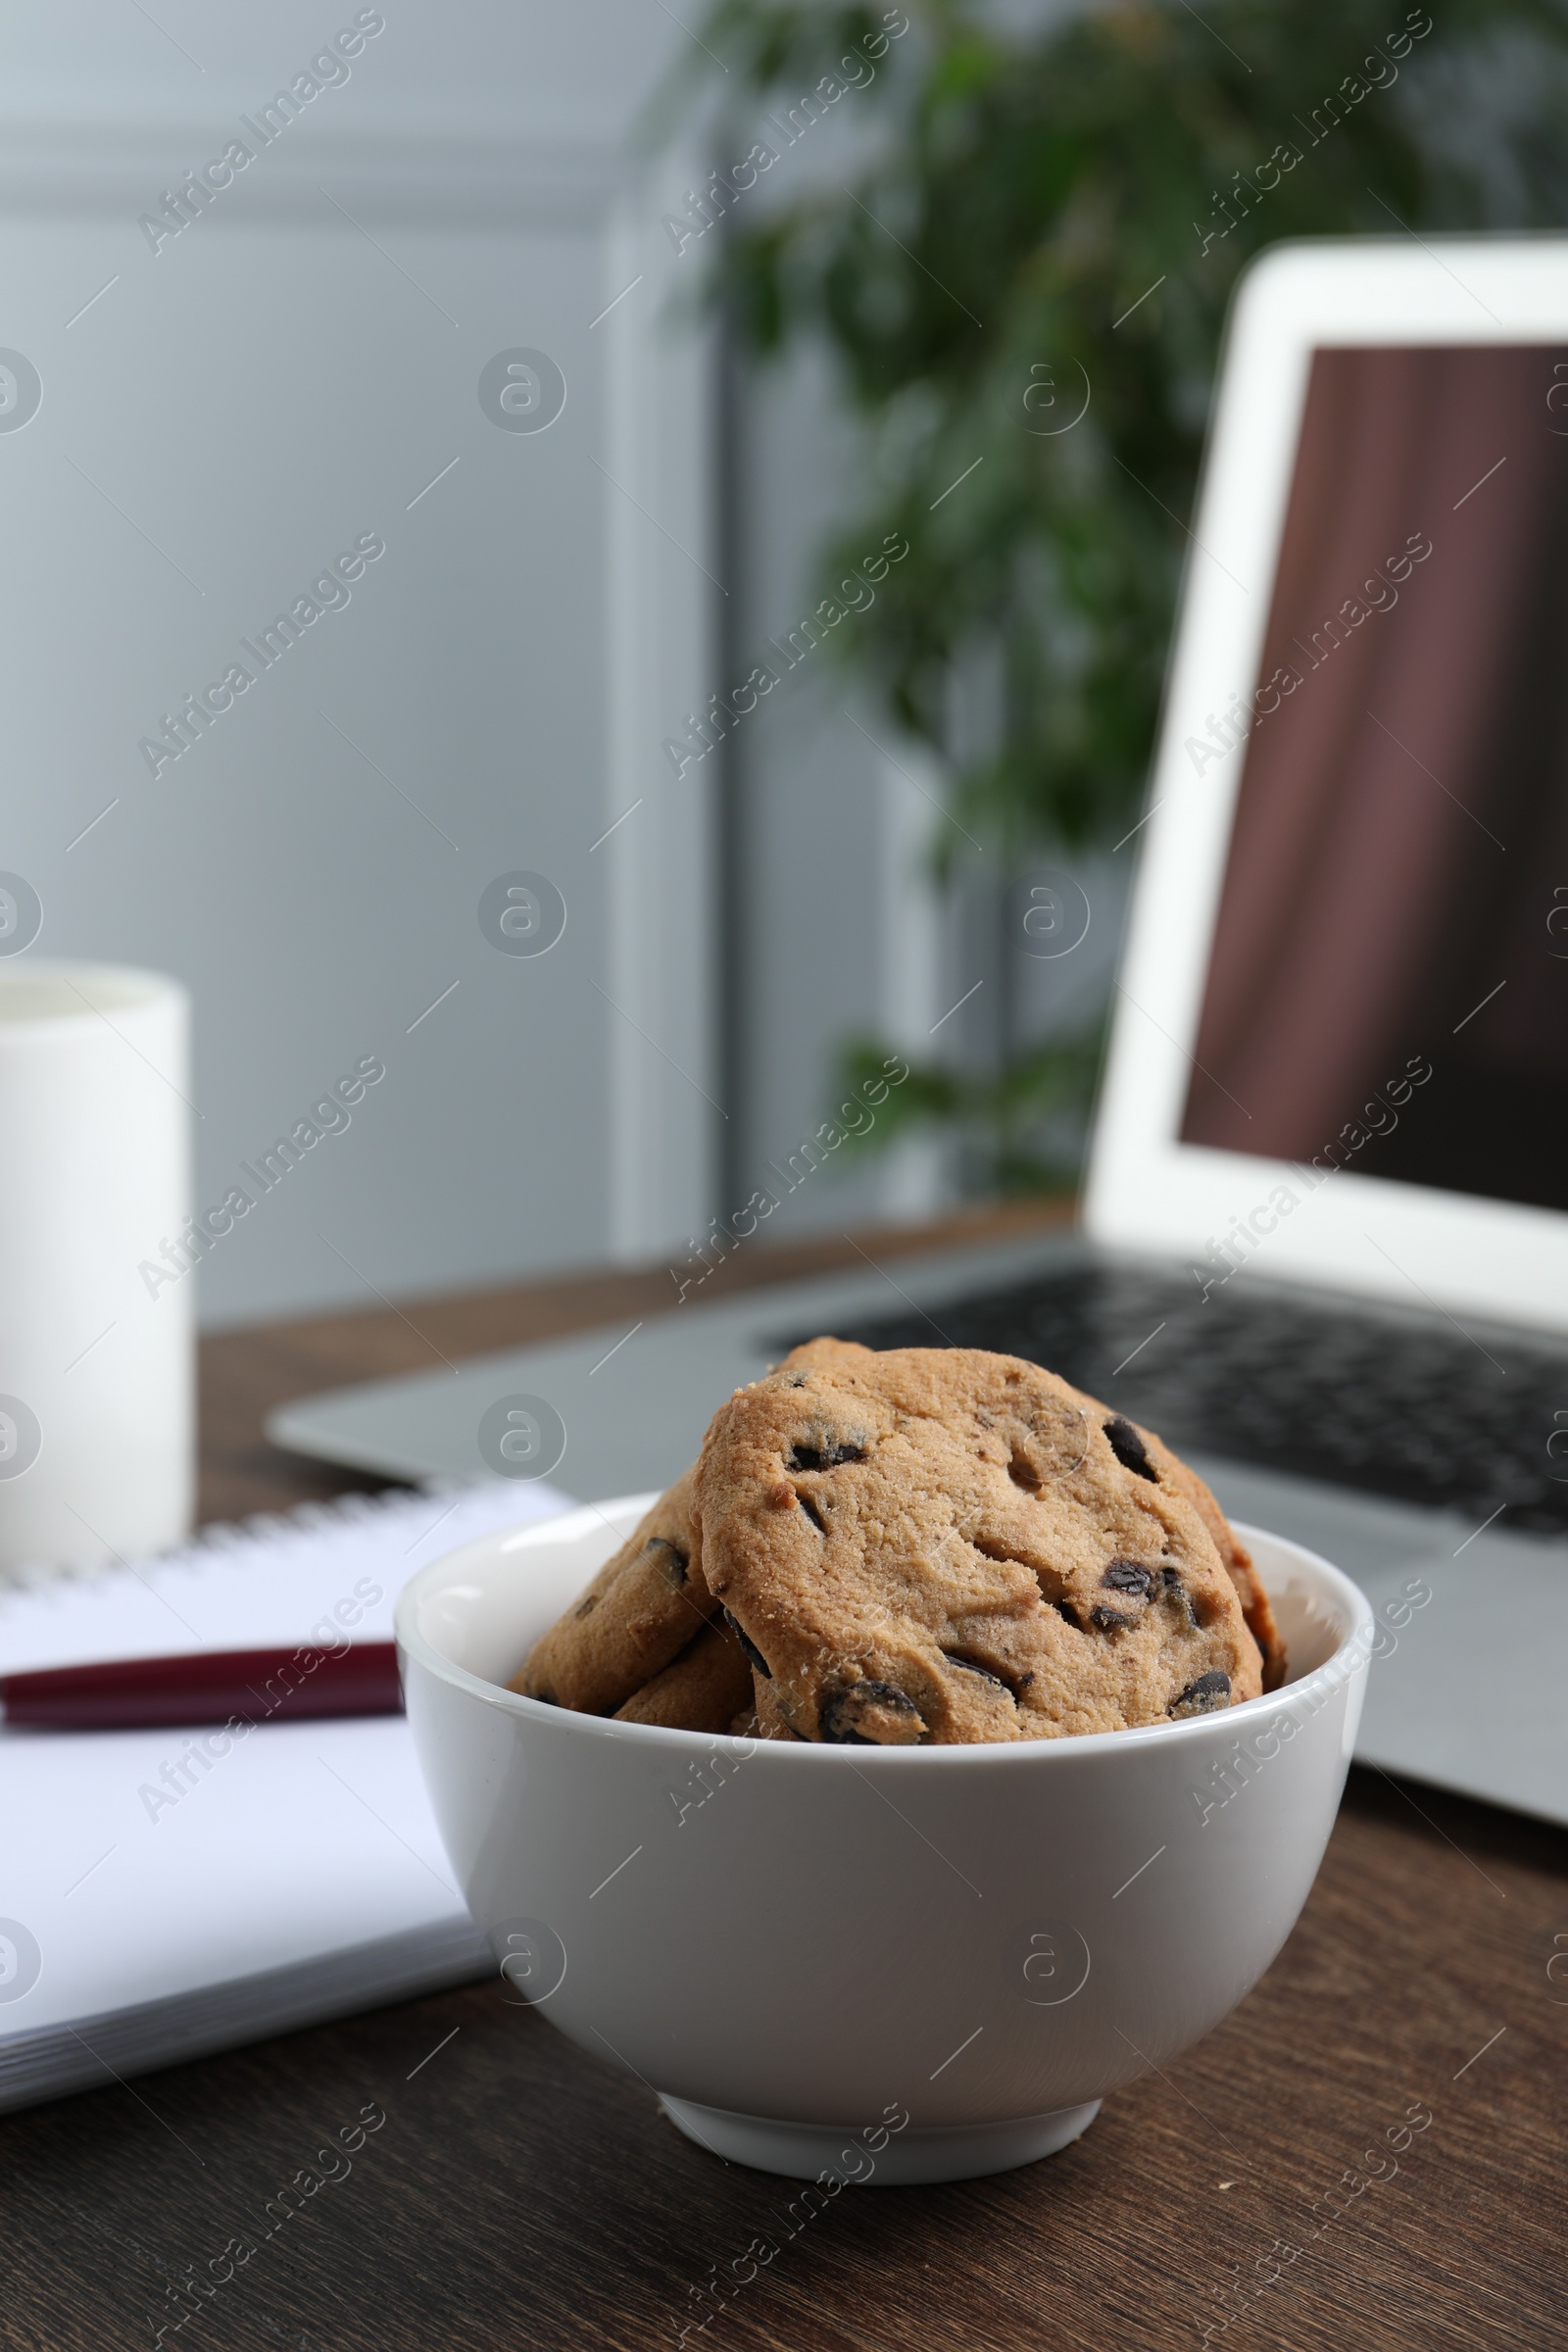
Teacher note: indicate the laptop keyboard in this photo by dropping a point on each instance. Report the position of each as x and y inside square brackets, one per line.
[1321, 1388]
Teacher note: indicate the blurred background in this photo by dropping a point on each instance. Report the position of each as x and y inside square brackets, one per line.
[632, 359]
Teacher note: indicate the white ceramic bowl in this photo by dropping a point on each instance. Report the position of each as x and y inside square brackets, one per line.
[885, 1964]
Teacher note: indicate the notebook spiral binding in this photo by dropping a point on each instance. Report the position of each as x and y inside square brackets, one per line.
[237, 1535]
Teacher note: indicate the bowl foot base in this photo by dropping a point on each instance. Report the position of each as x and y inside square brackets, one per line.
[803, 2152]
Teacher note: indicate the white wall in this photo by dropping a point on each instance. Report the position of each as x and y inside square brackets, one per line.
[279, 378]
[230, 411]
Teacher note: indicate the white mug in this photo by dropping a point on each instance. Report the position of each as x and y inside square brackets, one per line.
[96, 1365]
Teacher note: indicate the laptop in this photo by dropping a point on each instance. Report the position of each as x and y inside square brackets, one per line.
[1325, 1236]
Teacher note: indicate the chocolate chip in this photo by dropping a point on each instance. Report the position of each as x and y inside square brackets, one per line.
[1126, 1576]
[1172, 1589]
[1110, 1620]
[812, 1512]
[842, 1713]
[748, 1645]
[1211, 1690]
[955, 1657]
[796, 1380]
[586, 1608]
[675, 1566]
[828, 1456]
[1128, 1447]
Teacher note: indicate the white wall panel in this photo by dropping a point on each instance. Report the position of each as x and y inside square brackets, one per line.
[298, 368]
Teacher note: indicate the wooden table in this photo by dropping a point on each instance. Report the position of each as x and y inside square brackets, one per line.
[520, 2194]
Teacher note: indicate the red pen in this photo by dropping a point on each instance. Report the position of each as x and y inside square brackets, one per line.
[258, 1686]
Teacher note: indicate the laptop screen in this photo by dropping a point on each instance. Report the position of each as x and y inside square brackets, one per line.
[1388, 984]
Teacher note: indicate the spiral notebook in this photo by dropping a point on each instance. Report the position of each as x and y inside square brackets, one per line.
[160, 1901]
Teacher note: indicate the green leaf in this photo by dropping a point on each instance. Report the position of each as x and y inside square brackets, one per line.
[1079, 197]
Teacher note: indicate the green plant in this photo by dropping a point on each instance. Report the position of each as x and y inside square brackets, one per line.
[1078, 197]
[1003, 1107]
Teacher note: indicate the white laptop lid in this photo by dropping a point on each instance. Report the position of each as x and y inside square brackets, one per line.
[1339, 1046]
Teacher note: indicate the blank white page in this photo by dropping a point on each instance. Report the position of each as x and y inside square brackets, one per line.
[305, 1840]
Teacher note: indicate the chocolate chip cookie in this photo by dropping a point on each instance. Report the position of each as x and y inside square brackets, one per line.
[640, 1612]
[1142, 1451]
[939, 1545]
[703, 1690]
[1255, 1605]
[643, 1609]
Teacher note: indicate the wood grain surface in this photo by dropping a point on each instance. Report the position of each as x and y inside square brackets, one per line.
[520, 2194]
